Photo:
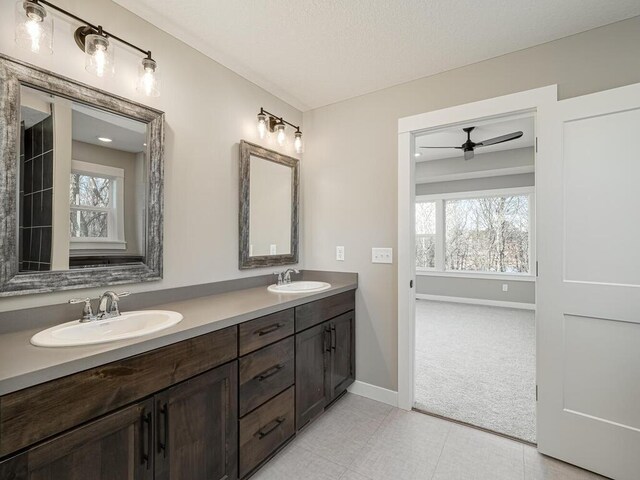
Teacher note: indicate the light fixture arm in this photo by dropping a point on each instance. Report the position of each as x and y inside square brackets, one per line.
[91, 28]
[280, 119]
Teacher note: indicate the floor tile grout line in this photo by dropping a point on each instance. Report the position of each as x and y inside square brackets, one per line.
[435, 468]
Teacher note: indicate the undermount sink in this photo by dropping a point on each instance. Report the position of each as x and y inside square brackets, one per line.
[299, 287]
[127, 325]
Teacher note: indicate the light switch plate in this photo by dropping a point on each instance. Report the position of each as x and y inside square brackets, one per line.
[382, 255]
[340, 254]
[505, 287]
[273, 249]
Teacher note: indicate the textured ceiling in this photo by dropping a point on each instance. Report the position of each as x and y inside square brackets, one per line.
[312, 53]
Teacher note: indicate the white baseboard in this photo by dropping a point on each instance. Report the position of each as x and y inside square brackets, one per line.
[476, 301]
[374, 392]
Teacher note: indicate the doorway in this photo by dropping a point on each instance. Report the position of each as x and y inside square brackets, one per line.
[474, 354]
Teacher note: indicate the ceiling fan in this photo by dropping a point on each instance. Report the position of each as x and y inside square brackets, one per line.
[468, 147]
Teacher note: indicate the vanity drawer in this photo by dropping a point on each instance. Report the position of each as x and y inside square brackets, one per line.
[33, 414]
[263, 331]
[265, 373]
[313, 313]
[266, 429]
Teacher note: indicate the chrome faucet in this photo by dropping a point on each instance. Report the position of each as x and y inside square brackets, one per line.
[107, 306]
[286, 275]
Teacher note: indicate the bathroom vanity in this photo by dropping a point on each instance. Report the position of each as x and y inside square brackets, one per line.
[216, 405]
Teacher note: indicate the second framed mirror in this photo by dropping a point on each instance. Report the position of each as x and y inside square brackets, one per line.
[268, 207]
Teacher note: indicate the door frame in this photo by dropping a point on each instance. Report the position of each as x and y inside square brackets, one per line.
[535, 100]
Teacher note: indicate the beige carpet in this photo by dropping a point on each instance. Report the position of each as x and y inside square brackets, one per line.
[476, 364]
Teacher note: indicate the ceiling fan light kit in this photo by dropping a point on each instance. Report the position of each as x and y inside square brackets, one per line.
[469, 146]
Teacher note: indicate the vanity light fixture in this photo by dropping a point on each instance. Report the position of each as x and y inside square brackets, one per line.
[34, 31]
[34, 28]
[280, 135]
[268, 122]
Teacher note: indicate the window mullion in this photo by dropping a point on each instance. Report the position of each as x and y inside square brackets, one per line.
[440, 235]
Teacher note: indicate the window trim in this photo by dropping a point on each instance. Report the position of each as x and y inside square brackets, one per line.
[440, 198]
[116, 222]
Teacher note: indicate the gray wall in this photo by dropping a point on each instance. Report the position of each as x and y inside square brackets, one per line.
[482, 289]
[349, 173]
[208, 110]
[475, 184]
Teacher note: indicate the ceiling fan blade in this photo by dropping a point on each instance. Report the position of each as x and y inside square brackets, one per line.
[469, 154]
[501, 139]
[459, 148]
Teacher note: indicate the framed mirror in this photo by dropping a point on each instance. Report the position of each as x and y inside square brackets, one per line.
[268, 207]
[81, 175]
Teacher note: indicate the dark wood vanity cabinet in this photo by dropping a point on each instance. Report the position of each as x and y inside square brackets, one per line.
[213, 407]
[117, 446]
[325, 355]
[196, 433]
[185, 432]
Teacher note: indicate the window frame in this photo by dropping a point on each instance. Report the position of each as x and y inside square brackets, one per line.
[440, 200]
[115, 212]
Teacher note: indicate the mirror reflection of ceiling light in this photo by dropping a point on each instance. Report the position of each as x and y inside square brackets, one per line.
[34, 31]
[417, 154]
[105, 139]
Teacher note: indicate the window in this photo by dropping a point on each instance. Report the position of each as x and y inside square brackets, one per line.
[487, 232]
[96, 207]
[426, 235]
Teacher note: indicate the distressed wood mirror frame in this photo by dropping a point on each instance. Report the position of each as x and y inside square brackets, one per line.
[246, 261]
[13, 74]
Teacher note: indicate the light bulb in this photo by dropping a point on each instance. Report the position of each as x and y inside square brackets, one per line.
[262, 125]
[99, 55]
[297, 143]
[280, 135]
[149, 82]
[34, 28]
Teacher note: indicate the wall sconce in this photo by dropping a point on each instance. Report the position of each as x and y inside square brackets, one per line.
[34, 31]
[268, 122]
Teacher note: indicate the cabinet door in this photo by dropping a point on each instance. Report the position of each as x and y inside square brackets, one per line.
[343, 356]
[116, 447]
[197, 427]
[312, 372]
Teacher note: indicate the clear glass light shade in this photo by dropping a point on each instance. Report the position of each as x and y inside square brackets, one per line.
[297, 142]
[280, 134]
[148, 78]
[34, 28]
[99, 56]
[262, 125]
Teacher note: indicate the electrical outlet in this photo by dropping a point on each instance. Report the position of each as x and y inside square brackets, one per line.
[340, 254]
[382, 255]
[273, 249]
[505, 287]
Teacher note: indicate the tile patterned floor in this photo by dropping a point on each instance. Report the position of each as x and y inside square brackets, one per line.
[360, 439]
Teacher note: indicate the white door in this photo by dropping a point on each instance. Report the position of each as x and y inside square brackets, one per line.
[588, 289]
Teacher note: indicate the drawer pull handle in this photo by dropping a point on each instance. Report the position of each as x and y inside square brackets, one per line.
[268, 373]
[269, 329]
[146, 439]
[270, 427]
